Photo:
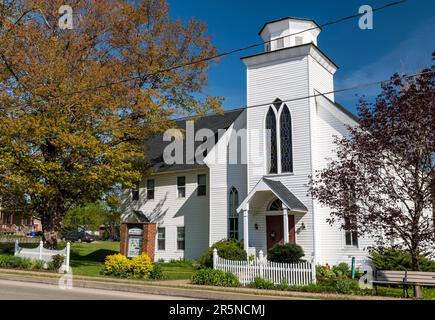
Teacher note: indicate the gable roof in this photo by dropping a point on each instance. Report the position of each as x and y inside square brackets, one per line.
[337, 106]
[213, 122]
[279, 190]
[285, 195]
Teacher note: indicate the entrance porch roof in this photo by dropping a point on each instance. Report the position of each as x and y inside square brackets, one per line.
[279, 190]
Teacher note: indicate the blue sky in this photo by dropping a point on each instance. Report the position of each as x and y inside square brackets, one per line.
[402, 40]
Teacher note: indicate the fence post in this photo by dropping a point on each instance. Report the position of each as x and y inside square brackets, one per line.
[261, 261]
[215, 257]
[68, 249]
[313, 270]
[16, 248]
[41, 245]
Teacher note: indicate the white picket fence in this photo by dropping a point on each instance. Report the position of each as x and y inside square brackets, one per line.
[40, 253]
[295, 274]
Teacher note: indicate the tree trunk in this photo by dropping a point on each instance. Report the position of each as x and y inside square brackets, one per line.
[51, 224]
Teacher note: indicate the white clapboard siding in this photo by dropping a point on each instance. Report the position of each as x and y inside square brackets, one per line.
[294, 274]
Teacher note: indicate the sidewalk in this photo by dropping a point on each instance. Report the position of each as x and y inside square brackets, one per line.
[180, 288]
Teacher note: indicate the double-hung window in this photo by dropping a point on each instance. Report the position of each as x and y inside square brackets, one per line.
[180, 238]
[202, 185]
[161, 238]
[181, 187]
[150, 189]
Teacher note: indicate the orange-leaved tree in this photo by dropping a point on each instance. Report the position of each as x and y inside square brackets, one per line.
[76, 104]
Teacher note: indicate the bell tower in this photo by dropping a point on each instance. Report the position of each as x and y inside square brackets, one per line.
[289, 32]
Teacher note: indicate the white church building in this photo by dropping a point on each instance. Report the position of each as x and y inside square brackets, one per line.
[286, 136]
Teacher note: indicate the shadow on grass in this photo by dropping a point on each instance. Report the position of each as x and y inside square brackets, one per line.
[95, 256]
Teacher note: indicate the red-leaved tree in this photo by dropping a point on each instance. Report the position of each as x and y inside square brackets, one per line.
[381, 181]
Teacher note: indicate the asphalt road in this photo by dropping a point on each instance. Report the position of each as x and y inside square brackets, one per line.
[13, 290]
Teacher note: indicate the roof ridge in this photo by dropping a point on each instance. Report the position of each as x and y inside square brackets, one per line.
[210, 114]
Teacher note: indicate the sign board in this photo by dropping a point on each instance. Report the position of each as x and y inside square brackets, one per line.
[135, 232]
[134, 246]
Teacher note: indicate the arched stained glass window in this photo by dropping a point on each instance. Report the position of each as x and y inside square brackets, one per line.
[272, 163]
[286, 141]
[233, 217]
[276, 205]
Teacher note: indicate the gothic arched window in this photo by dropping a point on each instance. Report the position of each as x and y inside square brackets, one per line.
[276, 205]
[286, 141]
[233, 217]
[271, 142]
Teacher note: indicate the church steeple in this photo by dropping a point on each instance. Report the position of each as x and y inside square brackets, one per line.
[284, 33]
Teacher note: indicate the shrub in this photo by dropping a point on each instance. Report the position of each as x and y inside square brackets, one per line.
[141, 266]
[395, 259]
[38, 264]
[227, 249]
[346, 286]
[342, 270]
[261, 283]
[117, 265]
[57, 261]
[287, 253]
[157, 272]
[324, 272]
[51, 266]
[213, 277]
[25, 263]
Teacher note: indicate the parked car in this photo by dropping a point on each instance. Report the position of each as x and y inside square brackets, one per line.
[79, 236]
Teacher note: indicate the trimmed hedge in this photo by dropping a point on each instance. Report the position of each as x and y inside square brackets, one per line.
[227, 249]
[213, 277]
[287, 253]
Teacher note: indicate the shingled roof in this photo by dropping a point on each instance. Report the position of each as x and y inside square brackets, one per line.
[214, 122]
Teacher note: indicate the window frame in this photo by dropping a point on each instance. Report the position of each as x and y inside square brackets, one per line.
[181, 187]
[351, 234]
[151, 193]
[285, 109]
[159, 239]
[183, 239]
[233, 217]
[200, 187]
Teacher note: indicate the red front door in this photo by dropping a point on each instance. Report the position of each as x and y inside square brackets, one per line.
[275, 230]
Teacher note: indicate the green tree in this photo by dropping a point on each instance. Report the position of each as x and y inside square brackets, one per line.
[89, 217]
[76, 105]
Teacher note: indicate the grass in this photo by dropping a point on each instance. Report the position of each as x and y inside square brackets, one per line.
[178, 269]
[87, 259]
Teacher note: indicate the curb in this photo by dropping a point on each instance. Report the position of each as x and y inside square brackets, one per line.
[174, 288]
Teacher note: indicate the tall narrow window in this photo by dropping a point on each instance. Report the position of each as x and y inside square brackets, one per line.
[233, 218]
[181, 187]
[150, 189]
[161, 238]
[180, 238]
[272, 164]
[351, 236]
[202, 185]
[286, 141]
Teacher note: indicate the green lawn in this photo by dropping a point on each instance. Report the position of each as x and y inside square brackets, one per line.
[87, 259]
